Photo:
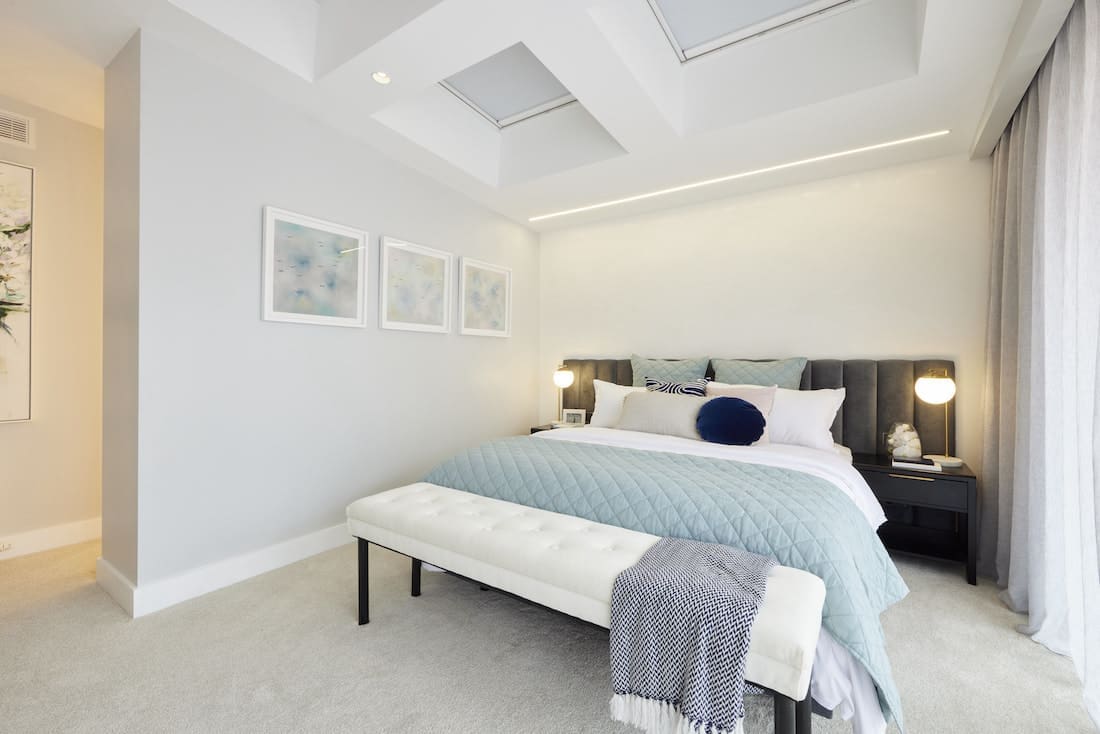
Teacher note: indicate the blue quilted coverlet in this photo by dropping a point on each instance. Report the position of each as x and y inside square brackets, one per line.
[801, 520]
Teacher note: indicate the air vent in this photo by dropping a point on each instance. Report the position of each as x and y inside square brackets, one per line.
[16, 129]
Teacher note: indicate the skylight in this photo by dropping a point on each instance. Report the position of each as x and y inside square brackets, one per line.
[696, 27]
[508, 87]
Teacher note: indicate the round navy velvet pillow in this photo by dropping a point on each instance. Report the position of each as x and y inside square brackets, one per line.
[731, 421]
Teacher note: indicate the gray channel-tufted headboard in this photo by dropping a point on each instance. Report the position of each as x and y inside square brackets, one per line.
[878, 394]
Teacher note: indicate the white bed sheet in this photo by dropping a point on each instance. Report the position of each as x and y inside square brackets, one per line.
[839, 682]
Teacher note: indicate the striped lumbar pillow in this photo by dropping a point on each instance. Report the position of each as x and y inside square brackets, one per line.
[691, 387]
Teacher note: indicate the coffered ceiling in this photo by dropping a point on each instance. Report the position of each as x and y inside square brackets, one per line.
[543, 106]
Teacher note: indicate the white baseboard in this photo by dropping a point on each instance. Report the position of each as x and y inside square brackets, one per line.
[117, 586]
[156, 595]
[55, 536]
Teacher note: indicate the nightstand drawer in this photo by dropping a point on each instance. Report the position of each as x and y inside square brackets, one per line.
[918, 490]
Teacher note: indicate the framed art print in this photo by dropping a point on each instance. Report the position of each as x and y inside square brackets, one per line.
[315, 272]
[485, 304]
[16, 213]
[415, 287]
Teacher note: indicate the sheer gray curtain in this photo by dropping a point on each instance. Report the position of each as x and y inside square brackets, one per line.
[1042, 438]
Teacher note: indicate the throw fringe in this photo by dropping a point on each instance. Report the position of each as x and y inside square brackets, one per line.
[661, 717]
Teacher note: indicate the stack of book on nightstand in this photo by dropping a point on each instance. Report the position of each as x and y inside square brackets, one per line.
[917, 463]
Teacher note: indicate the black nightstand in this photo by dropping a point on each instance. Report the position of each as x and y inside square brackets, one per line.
[930, 513]
[543, 427]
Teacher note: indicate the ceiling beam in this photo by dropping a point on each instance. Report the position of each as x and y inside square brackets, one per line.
[346, 28]
[284, 31]
[610, 66]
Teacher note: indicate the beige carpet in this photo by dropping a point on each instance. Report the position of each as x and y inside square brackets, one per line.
[282, 653]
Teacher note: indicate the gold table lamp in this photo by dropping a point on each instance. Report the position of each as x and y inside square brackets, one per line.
[563, 378]
[936, 390]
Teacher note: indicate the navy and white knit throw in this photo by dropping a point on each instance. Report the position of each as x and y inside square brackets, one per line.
[681, 620]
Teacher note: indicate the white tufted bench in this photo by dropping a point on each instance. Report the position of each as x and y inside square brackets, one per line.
[569, 565]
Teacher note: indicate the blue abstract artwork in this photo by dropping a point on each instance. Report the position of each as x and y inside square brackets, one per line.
[415, 287]
[315, 271]
[486, 299]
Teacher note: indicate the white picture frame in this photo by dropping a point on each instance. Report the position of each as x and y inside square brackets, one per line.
[573, 416]
[485, 299]
[434, 291]
[17, 235]
[301, 292]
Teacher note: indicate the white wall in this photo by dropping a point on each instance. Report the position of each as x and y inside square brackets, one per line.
[253, 432]
[49, 467]
[120, 308]
[886, 263]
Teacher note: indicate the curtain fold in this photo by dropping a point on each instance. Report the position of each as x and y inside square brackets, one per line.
[1041, 518]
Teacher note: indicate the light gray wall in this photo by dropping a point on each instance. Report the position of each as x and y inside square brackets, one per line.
[122, 89]
[49, 466]
[892, 262]
[255, 432]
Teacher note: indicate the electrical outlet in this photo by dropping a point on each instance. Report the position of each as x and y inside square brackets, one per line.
[5, 547]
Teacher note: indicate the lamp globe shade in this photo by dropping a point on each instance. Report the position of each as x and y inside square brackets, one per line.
[563, 378]
[935, 390]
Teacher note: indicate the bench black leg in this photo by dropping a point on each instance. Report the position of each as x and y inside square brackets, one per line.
[416, 564]
[803, 715]
[784, 714]
[364, 583]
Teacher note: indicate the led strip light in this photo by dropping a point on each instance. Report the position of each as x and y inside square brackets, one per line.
[743, 174]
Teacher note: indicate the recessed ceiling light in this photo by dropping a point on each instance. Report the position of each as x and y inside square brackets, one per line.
[743, 174]
[381, 77]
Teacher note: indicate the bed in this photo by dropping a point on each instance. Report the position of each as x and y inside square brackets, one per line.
[809, 508]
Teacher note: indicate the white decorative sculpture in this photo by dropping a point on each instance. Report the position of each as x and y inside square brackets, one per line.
[903, 441]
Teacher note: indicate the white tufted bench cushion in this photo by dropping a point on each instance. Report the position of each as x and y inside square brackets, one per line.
[570, 565]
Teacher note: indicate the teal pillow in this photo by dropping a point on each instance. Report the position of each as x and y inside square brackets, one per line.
[782, 372]
[668, 370]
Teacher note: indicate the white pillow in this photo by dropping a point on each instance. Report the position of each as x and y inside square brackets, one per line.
[804, 417]
[762, 398]
[609, 402]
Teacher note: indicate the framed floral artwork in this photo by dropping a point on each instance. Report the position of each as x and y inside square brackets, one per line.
[16, 233]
